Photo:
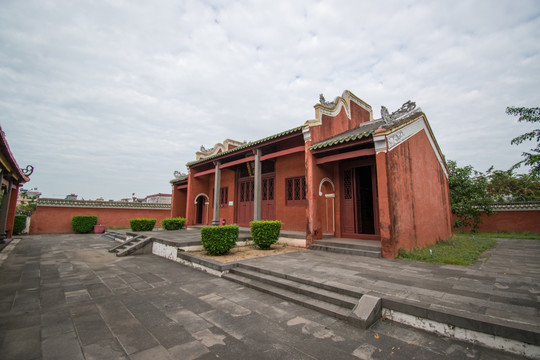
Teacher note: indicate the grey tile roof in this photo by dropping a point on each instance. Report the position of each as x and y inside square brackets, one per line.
[534, 205]
[99, 204]
[364, 130]
[174, 181]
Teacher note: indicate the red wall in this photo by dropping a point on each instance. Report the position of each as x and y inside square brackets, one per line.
[178, 202]
[510, 221]
[57, 220]
[228, 177]
[293, 217]
[334, 125]
[418, 196]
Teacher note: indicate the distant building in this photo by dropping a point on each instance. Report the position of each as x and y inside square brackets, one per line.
[71, 197]
[159, 198]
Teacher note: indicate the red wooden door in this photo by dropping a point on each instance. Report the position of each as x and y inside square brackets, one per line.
[268, 205]
[245, 201]
[348, 216]
[358, 201]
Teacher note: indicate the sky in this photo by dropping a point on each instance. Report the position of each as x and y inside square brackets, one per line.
[109, 98]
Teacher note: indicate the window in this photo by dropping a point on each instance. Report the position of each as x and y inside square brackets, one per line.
[295, 191]
[224, 197]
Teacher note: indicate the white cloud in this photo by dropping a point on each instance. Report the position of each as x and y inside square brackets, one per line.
[109, 98]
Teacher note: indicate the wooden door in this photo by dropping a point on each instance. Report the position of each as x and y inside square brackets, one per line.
[245, 201]
[358, 201]
[268, 204]
[348, 213]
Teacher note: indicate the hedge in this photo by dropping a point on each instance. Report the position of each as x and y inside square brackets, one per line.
[20, 224]
[265, 233]
[218, 240]
[173, 223]
[83, 224]
[142, 224]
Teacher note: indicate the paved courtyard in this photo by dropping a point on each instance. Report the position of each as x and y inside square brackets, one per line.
[66, 297]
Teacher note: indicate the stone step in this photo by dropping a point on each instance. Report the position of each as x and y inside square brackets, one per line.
[130, 246]
[351, 291]
[347, 250]
[313, 292]
[351, 244]
[301, 299]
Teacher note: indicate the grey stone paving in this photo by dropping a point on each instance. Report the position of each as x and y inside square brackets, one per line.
[66, 297]
[503, 284]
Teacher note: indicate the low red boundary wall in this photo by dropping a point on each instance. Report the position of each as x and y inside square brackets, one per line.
[512, 218]
[56, 219]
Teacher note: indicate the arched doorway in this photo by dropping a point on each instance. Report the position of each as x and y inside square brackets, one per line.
[327, 192]
[201, 209]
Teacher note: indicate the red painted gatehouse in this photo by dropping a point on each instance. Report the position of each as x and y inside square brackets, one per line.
[343, 174]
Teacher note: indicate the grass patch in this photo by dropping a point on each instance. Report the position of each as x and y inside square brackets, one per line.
[461, 249]
[511, 235]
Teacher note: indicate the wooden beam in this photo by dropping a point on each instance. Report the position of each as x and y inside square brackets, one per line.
[180, 187]
[283, 152]
[344, 156]
[236, 162]
[211, 171]
[252, 158]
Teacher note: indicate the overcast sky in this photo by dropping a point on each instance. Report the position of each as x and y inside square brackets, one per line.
[109, 98]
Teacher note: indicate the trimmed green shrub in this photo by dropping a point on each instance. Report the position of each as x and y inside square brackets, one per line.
[20, 224]
[142, 224]
[218, 240]
[265, 233]
[173, 223]
[84, 223]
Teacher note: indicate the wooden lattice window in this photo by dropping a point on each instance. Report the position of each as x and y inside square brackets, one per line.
[295, 191]
[268, 189]
[224, 197]
[347, 185]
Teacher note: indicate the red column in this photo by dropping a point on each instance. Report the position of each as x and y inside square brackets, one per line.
[313, 224]
[11, 210]
[190, 200]
[383, 186]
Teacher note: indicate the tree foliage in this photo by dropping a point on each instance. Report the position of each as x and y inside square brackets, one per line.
[469, 196]
[505, 186]
[531, 158]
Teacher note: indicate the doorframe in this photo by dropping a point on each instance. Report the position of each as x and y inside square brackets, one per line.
[353, 164]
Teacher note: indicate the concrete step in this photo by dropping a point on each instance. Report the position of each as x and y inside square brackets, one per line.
[313, 292]
[113, 235]
[131, 245]
[351, 291]
[347, 250]
[361, 310]
[371, 245]
[295, 297]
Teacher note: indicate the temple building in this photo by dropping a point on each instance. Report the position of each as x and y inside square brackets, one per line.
[343, 174]
[11, 177]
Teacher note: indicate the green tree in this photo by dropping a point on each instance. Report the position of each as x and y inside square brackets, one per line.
[532, 158]
[469, 196]
[505, 186]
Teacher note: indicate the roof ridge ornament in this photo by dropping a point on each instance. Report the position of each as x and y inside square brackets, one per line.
[179, 174]
[28, 170]
[403, 110]
[323, 101]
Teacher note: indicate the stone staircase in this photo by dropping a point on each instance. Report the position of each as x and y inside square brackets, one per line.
[131, 245]
[362, 310]
[349, 246]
